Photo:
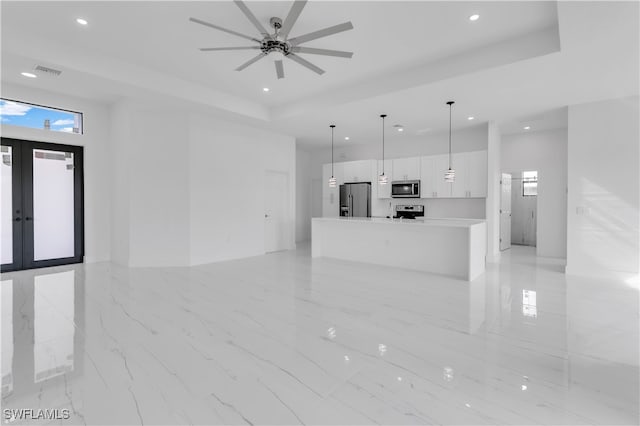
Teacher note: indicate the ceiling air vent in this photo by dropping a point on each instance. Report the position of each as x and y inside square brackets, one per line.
[49, 71]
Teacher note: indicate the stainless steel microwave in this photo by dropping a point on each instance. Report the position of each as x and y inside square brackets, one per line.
[405, 189]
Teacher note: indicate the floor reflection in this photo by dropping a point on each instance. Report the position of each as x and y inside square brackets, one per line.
[286, 339]
[6, 304]
[53, 325]
[42, 311]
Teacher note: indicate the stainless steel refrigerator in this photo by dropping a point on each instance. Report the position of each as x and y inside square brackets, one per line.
[355, 199]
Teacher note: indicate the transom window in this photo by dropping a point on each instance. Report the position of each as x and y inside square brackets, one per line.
[16, 113]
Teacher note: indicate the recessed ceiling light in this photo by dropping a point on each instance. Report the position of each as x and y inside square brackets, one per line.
[82, 21]
[346, 138]
[474, 17]
[526, 127]
[470, 118]
[28, 74]
[265, 89]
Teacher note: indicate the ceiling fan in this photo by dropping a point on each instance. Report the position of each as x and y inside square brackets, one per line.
[279, 43]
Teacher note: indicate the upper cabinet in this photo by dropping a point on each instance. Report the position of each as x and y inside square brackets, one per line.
[358, 171]
[477, 161]
[470, 181]
[432, 169]
[384, 191]
[471, 174]
[406, 168]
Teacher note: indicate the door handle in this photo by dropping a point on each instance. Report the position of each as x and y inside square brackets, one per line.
[28, 218]
[17, 219]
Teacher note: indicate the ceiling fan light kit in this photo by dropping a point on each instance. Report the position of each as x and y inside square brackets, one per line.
[278, 43]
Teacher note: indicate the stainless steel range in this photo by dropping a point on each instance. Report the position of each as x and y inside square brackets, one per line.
[410, 211]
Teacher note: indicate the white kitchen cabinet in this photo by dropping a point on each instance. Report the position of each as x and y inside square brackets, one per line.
[471, 175]
[331, 196]
[384, 191]
[358, 171]
[477, 174]
[460, 187]
[406, 168]
[432, 170]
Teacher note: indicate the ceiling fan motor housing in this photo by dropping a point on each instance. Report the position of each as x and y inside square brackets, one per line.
[269, 45]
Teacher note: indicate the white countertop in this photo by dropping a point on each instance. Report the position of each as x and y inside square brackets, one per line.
[449, 222]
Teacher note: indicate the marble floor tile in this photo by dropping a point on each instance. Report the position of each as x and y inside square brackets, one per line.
[287, 339]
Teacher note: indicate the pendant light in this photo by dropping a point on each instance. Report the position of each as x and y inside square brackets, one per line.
[450, 175]
[383, 179]
[332, 180]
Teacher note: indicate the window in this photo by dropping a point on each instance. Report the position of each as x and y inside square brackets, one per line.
[22, 114]
[529, 184]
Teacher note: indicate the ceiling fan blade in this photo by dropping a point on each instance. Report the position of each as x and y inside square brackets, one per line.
[305, 63]
[207, 24]
[292, 17]
[321, 33]
[326, 52]
[243, 7]
[279, 69]
[250, 61]
[210, 49]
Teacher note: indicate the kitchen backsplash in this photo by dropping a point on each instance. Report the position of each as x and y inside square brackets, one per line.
[445, 207]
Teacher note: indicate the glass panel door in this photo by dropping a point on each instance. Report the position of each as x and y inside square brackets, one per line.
[53, 215]
[6, 209]
[42, 217]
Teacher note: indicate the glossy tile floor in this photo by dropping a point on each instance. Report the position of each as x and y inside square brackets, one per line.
[284, 339]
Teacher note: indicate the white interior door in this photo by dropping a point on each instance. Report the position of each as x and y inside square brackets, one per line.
[276, 217]
[505, 211]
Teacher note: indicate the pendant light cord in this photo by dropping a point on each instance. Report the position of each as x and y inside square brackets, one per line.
[450, 103]
[383, 116]
[332, 127]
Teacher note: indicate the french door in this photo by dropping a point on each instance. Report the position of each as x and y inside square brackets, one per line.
[42, 214]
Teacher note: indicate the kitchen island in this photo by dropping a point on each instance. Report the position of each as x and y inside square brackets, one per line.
[454, 247]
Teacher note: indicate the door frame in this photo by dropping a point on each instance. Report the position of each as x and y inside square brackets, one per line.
[24, 199]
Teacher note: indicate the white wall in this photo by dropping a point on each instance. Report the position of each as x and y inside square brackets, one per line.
[159, 189]
[97, 167]
[303, 195]
[546, 152]
[228, 162]
[121, 135]
[604, 188]
[397, 146]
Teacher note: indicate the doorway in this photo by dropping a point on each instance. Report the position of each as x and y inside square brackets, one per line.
[42, 215]
[524, 201]
[276, 214]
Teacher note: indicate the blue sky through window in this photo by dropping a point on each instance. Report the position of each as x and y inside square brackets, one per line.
[24, 115]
